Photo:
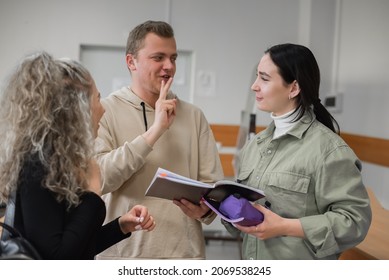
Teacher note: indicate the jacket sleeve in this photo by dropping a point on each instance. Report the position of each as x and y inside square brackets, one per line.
[54, 234]
[343, 201]
[109, 235]
[118, 164]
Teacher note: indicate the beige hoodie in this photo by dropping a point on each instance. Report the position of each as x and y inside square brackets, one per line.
[128, 165]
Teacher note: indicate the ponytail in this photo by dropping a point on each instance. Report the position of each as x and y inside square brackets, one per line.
[323, 116]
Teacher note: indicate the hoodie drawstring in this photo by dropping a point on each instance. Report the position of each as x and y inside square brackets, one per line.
[144, 113]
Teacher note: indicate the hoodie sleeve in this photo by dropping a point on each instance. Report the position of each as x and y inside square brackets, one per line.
[118, 162]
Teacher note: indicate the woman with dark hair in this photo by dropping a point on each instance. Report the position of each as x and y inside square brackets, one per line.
[317, 204]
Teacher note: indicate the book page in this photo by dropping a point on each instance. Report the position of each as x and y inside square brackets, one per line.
[180, 179]
[169, 185]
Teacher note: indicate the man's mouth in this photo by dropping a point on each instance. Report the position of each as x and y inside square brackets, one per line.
[166, 77]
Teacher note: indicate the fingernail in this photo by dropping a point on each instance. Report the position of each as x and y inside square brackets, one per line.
[138, 227]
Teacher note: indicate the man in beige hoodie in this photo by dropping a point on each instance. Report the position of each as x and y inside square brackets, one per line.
[146, 126]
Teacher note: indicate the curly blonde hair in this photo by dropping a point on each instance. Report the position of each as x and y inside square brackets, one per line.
[45, 111]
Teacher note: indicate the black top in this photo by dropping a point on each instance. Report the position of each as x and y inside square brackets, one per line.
[58, 233]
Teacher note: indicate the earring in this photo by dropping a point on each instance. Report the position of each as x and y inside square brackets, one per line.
[289, 97]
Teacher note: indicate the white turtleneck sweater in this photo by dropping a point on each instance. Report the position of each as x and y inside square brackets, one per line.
[283, 123]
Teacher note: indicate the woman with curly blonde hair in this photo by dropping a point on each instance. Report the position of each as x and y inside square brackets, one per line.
[49, 118]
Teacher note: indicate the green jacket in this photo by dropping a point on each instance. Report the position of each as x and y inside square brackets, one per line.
[310, 174]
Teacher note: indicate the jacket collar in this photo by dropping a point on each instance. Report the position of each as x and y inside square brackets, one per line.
[297, 131]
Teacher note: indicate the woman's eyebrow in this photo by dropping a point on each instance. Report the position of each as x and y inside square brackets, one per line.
[264, 74]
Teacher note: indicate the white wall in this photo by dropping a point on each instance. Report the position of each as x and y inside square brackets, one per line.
[227, 38]
[363, 79]
[363, 67]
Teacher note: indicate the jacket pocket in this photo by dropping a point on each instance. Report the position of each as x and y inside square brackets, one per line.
[244, 176]
[287, 193]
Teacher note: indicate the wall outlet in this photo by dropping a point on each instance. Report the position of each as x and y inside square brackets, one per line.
[334, 102]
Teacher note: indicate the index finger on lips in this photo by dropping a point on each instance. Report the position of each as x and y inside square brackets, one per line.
[165, 86]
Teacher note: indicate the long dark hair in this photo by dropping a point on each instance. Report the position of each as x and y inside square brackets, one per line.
[296, 62]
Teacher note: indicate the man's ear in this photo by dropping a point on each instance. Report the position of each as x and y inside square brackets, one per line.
[130, 60]
[294, 90]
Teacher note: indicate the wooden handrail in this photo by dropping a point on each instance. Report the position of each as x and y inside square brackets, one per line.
[369, 149]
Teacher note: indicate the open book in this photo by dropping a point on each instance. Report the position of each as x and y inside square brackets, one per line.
[169, 185]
